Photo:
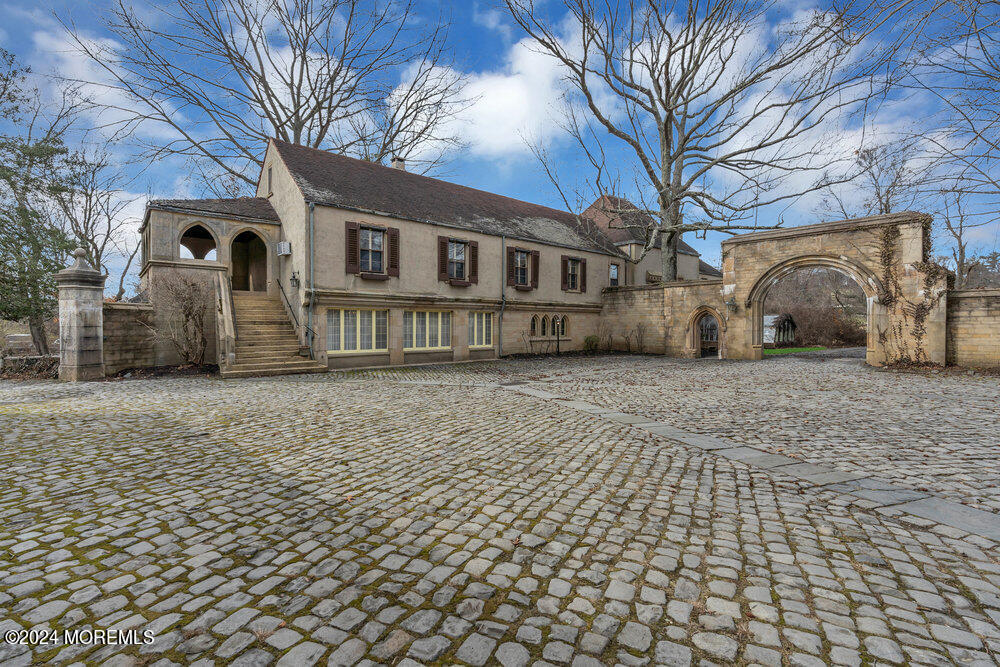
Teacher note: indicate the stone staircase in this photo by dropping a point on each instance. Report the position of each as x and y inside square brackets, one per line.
[266, 343]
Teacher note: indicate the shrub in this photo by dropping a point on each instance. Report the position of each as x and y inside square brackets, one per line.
[183, 310]
[590, 343]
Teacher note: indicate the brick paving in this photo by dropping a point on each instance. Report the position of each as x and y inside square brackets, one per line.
[431, 515]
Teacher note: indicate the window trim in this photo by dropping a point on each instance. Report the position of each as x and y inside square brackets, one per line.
[376, 275]
[464, 278]
[413, 331]
[527, 267]
[474, 315]
[572, 262]
[357, 331]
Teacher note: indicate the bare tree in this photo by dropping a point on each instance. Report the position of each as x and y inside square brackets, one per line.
[223, 76]
[94, 206]
[713, 106]
[887, 177]
[958, 223]
[957, 63]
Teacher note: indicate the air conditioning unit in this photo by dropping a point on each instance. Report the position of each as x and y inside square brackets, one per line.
[284, 248]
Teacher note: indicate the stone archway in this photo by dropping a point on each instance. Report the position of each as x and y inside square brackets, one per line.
[886, 255]
[868, 282]
[249, 262]
[693, 340]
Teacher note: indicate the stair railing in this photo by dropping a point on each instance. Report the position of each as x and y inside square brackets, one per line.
[225, 321]
[310, 334]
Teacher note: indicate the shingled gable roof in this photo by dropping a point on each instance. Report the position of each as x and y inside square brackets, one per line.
[249, 208]
[707, 269]
[624, 235]
[338, 181]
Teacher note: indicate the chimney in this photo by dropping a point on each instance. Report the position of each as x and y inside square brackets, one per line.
[398, 163]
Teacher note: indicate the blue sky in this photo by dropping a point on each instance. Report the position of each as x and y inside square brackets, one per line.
[516, 89]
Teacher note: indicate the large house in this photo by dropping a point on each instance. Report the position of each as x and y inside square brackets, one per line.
[339, 262]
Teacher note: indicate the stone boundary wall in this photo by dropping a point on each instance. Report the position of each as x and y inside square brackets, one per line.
[661, 312]
[128, 342]
[973, 337]
[627, 310]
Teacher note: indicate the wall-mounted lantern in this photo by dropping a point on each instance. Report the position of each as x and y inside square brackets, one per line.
[732, 305]
[294, 280]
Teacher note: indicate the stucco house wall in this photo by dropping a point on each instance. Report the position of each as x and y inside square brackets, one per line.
[418, 288]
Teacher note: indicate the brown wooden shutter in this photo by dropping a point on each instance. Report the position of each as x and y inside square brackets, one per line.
[443, 258]
[564, 270]
[510, 267]
[392, 238]
[474, 262]
[534, 269]
[583, 275]
[352, 249]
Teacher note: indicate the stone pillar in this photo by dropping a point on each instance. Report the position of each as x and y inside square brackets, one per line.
[460, 334]
[396, 355]
[81, 321]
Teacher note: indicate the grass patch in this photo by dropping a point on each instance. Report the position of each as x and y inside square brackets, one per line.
[791, 350]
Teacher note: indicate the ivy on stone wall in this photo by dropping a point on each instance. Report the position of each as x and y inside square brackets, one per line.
[904, 339]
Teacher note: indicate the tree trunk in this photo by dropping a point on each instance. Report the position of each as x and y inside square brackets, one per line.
[36, 325]
[668, 252]
[960, 269]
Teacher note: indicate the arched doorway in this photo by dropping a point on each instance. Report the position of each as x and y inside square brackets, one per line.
[249, 263]
[708, 336]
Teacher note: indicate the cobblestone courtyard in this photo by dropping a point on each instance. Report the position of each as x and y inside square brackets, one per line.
[576, 511]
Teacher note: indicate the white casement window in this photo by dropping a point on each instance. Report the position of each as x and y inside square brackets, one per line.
[613, 275]
[520, 267]
[357, 331]
[456, 259]
[372, 250]
[480, 329]
[426, 330]
[573, 274]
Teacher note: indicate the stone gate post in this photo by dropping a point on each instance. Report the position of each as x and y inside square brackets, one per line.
[81, 321]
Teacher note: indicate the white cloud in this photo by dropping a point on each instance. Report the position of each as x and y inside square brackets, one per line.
[56, 53]
[492, 19]
[522, 99]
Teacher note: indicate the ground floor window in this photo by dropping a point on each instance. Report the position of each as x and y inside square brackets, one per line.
[480, 329]
[357, 330]
[426, 330]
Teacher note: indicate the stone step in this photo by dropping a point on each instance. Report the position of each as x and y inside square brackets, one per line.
[284, 361]
[270, 371]
[262, 320]
[264, 341]
[270, 355]
[272, 328]
[277, 345]
[273, 368]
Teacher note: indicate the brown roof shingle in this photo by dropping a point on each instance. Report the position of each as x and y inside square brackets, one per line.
[252, 208]
[626, 233]
[339, 181]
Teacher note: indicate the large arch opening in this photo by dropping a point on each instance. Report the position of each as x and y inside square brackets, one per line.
[249, 263]
[815, 307]
[197, 243]
[814, 302]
